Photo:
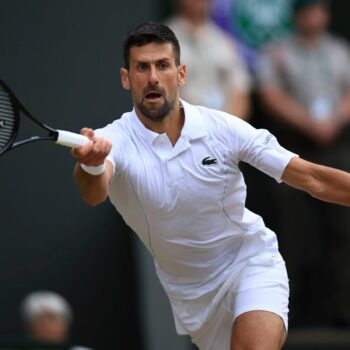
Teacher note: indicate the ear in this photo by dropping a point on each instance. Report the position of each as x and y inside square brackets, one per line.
[124, 77]
[181, 74]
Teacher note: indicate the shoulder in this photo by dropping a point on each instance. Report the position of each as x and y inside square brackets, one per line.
[172, 21]
[277, 50]
[222, 39]
[213, 114]
[178, 25]
[230, 133]
[283, 43]
[337, 43]
[119, 126]
[217, 31]
[222, 123]
[119, 132]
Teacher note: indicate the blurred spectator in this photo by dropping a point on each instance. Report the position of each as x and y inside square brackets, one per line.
[304, 82]
[217, 76]
[48, 318]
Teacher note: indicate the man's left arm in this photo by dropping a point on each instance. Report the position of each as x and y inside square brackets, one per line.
[322, 182]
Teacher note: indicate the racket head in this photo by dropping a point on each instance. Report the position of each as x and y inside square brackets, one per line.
[9, 118]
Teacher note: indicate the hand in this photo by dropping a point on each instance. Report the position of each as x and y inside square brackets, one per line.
[94, 152]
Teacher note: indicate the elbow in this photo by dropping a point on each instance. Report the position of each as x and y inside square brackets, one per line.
[90, 203]
[93, 201]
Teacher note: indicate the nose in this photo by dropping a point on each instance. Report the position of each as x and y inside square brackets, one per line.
[153, 77]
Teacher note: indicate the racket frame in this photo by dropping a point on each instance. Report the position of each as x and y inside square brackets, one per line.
[17, 109]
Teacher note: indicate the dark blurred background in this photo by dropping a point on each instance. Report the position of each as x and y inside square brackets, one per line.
[62, 59]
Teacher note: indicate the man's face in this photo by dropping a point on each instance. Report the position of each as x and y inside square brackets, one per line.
[49, 328]
[195, 9]
[312, 20]
[153, 79]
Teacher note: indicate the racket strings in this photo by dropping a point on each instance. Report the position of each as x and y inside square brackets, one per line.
[7, 120]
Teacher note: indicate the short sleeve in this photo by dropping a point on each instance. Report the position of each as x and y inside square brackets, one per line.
[259, 148]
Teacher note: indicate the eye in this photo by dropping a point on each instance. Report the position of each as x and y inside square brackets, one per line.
[141, 67]
[163, 65]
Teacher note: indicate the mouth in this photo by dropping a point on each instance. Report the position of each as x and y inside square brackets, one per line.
[153, 96]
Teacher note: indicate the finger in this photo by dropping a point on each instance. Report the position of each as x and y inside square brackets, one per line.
[88, 132]
[101, 145]
[95, 154]
[98, 154]
[82, 151]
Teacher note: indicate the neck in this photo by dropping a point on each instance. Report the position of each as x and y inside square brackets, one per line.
[196, 21]
[310, 40]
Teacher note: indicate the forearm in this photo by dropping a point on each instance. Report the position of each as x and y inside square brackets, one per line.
[93, 189]
[335, 186]
[322, 182]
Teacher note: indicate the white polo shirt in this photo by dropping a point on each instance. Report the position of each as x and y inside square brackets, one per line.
[187, 202]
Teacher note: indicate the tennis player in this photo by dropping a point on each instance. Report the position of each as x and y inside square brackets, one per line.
[171, 169]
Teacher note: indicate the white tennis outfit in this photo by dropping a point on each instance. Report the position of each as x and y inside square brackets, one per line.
[214, 258]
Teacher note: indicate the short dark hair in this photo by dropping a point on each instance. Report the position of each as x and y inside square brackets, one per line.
[301, 4]
[150, 32]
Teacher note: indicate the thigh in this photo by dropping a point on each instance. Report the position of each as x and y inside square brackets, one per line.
[261, 330]
[260, 308]
[262, 286]
[259, 291]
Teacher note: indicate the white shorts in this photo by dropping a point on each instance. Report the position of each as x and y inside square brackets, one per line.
[255, 285]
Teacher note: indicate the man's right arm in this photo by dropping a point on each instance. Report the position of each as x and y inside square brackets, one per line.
[93, 188]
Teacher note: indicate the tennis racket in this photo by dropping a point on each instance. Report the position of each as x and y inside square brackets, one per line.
[10, 115]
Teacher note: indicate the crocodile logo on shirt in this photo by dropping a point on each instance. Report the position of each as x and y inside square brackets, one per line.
[209, 161]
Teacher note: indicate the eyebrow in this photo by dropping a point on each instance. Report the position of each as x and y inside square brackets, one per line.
[167, 59]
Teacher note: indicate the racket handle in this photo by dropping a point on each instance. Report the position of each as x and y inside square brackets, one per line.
[71, 139]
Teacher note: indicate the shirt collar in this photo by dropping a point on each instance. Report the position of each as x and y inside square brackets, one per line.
[193, 128]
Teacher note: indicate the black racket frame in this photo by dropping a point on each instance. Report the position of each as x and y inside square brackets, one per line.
[17, 109]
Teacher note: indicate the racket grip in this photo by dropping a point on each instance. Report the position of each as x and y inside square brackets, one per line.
[71, 139]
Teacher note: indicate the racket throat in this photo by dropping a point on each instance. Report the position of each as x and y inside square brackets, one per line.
[34, 139]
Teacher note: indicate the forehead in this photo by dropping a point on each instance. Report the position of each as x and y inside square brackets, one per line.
[310, 9]
[152, 52]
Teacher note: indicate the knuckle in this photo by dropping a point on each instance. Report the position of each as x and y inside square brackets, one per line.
[87, 132]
